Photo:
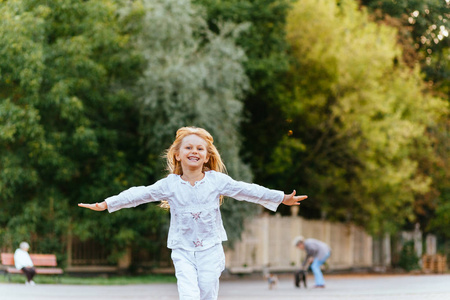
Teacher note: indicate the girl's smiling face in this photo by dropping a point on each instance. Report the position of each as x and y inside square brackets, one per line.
[193, 152]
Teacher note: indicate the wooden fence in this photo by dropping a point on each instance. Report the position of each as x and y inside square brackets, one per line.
[267, 242]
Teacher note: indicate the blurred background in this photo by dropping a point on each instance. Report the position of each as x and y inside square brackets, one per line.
[345, 101]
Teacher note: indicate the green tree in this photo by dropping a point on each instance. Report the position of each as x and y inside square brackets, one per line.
[424, 28]
[434, 210]
[92, 92]
[358, 115]
[67, 119]
[266, 66]
[193, 77]
[423, 31]
[408, 258]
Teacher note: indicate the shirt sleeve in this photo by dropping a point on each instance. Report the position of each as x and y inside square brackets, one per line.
[138, 195]
[249, 192]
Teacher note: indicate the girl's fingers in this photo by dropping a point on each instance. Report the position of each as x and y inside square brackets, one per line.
[95, 206]
[291, 199]
[299, 198]
[90, 206]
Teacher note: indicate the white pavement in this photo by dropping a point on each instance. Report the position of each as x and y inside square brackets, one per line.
[342, 287]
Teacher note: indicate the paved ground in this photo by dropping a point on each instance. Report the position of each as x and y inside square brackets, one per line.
[342, 287]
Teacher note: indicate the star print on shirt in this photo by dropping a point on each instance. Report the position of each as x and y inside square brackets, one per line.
[196, 216]
[198, 243]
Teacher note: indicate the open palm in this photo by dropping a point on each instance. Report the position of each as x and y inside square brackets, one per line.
[94, 206]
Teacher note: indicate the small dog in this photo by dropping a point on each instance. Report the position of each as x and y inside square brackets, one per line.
[300, 277]
[272, 279]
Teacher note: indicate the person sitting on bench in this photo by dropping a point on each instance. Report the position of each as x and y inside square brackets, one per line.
[23, 262]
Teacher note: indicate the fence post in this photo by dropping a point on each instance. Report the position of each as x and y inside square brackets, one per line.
[431, 242]
[351, 245]
[387, 250]
[69, 246]
[265, 239]
[125, 260]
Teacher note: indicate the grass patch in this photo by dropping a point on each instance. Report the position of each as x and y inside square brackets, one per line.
[98, 280]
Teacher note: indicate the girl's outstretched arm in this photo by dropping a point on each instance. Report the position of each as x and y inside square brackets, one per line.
[95, 206]
[291, 199]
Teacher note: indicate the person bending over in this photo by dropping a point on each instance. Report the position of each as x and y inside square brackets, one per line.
[317, 252]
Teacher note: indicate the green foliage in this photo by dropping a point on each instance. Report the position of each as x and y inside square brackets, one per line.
[313, 95]
[67, 117]
[408, 258]
[357, 116]
[441, 222]
[91, 94]
[193, 77]
[425, 24]
[423, 29]
[266, 67]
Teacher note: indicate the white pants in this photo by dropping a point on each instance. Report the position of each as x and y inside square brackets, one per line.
[198, 272]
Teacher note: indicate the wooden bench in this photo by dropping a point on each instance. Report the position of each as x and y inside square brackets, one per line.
[48, 261]
[434, 263]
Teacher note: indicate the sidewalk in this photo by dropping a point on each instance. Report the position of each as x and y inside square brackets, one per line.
[341, 287]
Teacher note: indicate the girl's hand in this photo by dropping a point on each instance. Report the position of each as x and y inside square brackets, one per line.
[291, 199]
[95, 206]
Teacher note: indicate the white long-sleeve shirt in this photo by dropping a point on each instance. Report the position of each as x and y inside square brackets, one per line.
[195, 219]
[22, 259]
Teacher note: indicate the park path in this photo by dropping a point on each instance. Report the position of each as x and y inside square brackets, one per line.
[340, 287]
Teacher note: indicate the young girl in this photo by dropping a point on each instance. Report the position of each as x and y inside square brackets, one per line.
[193, 191]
